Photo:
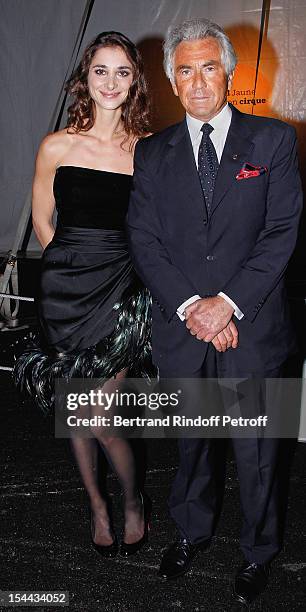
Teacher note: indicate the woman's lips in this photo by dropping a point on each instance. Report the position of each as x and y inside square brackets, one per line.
[108, 95]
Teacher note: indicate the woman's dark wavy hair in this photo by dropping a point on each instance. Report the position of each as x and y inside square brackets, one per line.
[135, 109]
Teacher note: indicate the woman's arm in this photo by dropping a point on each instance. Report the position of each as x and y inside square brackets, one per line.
[43, 202]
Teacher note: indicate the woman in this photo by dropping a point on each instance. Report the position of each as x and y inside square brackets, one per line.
[92, 309]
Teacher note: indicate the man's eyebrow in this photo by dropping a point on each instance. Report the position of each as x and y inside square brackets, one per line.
[181, 66]
[207, 63]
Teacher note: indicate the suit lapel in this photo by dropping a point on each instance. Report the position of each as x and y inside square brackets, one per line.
[238, 146]
[180, 159]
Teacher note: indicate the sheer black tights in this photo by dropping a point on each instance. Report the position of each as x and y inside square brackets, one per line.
[120, 456]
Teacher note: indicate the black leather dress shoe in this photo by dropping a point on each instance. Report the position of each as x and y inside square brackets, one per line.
[177, 559]
[250, 581]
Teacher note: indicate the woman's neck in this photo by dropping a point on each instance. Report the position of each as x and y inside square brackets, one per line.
[108, 124]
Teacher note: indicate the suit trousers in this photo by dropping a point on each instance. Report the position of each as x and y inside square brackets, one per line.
[195, 496]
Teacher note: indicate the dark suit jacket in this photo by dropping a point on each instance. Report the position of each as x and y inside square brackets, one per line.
[242, 249]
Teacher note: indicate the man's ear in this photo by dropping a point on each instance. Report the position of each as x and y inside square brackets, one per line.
[174, 87]
[230, 80]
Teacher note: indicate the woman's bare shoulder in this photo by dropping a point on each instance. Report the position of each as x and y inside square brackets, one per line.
[54, 145]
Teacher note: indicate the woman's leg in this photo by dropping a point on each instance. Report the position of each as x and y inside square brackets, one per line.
[120, 455]
[86, 453]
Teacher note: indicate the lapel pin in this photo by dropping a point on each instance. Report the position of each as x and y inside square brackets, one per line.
[235, 156]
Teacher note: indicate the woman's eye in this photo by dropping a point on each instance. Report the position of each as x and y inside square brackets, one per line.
[123, 73]
[100, 72]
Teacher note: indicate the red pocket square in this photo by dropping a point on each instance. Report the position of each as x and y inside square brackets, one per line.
[248, 171]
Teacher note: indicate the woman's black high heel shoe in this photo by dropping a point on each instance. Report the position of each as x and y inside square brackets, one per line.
[130, 549]
[109, 550]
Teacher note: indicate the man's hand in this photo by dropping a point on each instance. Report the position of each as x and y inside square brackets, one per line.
[207, 317]
[227, 338]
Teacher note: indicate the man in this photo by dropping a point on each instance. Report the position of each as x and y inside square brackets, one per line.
[212, 222]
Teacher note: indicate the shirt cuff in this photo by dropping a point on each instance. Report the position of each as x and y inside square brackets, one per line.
[237, 311]
[181, 308]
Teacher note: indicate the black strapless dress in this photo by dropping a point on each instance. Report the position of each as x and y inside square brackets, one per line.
[94, 313]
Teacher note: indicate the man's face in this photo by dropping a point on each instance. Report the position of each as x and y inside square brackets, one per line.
[201, 82]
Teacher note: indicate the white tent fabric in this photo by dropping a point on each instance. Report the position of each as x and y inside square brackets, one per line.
[37, 39]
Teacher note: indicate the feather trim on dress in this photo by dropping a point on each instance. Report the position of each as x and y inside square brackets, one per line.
[128, 346]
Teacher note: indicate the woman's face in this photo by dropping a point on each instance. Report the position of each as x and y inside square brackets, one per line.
[110, 76]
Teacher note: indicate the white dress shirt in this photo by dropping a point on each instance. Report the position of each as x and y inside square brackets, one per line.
[220, 123]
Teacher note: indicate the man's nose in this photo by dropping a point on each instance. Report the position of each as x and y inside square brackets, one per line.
[199, 79]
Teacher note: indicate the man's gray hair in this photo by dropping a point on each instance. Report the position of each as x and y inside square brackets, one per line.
[197, 29]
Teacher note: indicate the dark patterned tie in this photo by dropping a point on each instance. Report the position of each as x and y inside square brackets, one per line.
[207, 165]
